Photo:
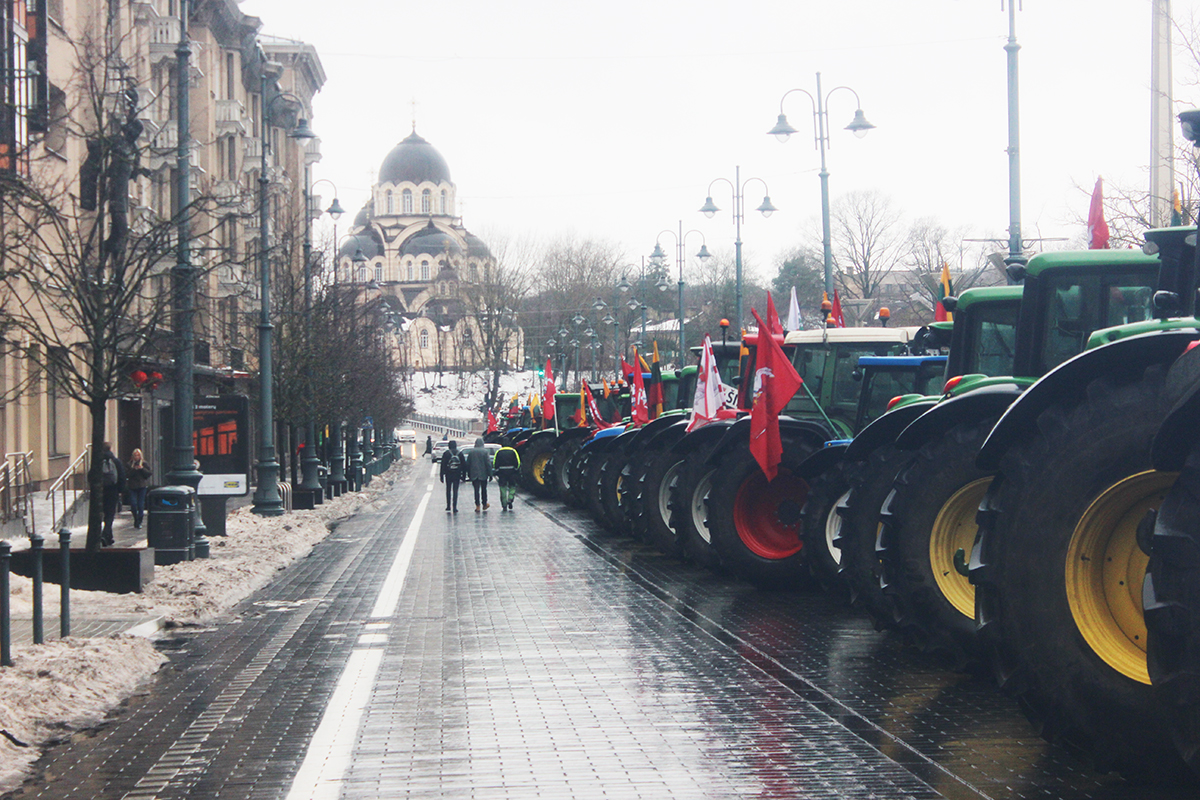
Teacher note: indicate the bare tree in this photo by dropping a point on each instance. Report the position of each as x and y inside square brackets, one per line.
[869, 241]
[492, 305]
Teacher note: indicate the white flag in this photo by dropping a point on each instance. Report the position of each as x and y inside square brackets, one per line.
[710, 395]
[793, 320]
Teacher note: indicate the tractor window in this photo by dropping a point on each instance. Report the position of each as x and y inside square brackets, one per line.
[1079, 305]
[993, 337]
[809, 362]
[686, 390]
[846, 389]
[670, 391]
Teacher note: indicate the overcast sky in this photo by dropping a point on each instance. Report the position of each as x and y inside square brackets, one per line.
[609, 120]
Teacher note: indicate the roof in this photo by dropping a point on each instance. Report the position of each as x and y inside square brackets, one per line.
[1089, 260]
[851, 335]
[430, 240]
[414, 160]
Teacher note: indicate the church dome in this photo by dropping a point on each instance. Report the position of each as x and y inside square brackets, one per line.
[475, 247]
[414, 160]
[430, 241]
[368, 240]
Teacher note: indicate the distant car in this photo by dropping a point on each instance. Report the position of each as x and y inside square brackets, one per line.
[406, 436]
[439, 448]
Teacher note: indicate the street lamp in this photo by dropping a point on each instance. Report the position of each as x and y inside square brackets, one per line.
[624, 286]
[859, 126]
[337, 472]
[267, 501]
[658, 258]
[709, 209]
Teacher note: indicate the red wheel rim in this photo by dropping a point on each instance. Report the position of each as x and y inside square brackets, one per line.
[767, 515]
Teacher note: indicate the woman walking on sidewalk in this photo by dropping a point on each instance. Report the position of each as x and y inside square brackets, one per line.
[137, 478]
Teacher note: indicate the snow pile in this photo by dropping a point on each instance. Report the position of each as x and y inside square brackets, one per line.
[460, 396]
[66, 685]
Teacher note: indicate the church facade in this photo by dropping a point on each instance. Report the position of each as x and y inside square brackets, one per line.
[408, 244]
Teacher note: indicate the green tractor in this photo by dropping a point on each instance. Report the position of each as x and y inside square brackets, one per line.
[536, 451]
[723, 504]
[1057, 566]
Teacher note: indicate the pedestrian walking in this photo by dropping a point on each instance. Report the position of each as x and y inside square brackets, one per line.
[137, 477]
[507, 467]
[112, 478]
[429, 445]
[451, 473]
[479, 471]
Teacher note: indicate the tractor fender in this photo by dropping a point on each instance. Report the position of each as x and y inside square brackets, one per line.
[1176, 437]
[738, 435]
[984, 402]
[885, 429]
[541, 435]
[574, 433]
[1072, 378]
[646, 432]
[666, 436]
[703, 437]
[603, 439]
[827, 457]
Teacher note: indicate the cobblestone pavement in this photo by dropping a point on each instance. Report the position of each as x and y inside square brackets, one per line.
[525, 654]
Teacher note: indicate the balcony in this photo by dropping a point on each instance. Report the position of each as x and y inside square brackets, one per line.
[164, 38]
[251, 154]
[312, 151]
[231, 117]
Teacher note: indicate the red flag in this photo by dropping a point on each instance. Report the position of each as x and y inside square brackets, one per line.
[775, 381]
[774, 326]
[548, 396]
[838, 320]
[639, 413]
[594, 410]
[493, 426]
[1097, 227]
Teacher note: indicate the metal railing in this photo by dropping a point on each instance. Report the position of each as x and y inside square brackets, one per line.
[16, 489]
[436, 423]
[57, 493]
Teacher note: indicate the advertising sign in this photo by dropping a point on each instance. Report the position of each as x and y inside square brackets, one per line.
[221, 440]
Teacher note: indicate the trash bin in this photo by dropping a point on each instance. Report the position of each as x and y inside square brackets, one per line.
[170, 529]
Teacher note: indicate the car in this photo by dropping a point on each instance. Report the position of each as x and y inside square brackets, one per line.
[439, 447]
[406, 436]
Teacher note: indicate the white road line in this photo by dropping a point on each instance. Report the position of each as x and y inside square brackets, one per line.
[331, 749]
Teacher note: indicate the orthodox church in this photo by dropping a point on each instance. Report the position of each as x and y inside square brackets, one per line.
[409, 245]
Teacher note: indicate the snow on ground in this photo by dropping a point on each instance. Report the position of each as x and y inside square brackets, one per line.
[71, 684]
[460, 396]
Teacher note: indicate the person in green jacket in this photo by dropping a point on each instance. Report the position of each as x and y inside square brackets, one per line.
[507, 466]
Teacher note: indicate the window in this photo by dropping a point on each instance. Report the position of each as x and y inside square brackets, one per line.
[445, 202]
[379, 273]
[58, 411]
[362, 274]
[229, 80]
[410, 271]
[426, 202]
[406, 200]
[231, 155]
[424, 270]
[424, 340]
[390, 209]
[474, 274]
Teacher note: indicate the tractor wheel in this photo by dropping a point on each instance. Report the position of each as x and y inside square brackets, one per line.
[927, 536]
[577, 470]
[533, 466]
[755, 523]
[630, 495]
[594, 487]
[820, 523]
[689, 509]
[613, 483]
[1059, 575]
[658, 480]
[856, 537]
[560, 471]
[1173, 612]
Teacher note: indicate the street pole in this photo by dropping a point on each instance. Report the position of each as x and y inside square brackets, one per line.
[309, 465]
[183, 462]
[267, 502]
[709, 209]
[1016, 254]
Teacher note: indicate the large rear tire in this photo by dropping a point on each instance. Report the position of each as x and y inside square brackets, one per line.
[659, 479]
[870, 483]
[594, 487]
[533, 466]
[689, 510]
[613, 484]
[560, 472]
[1173, 610]
[755, 523]
[929, 528]
[820, 525]
[1059, 576]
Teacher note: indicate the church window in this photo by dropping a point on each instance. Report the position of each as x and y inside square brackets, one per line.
[362, 274]
[390, 208]
[424, 340]
[410, 271]
[406, 200]
[445, 202]
[424, 270]
[474, 274]
[379, 273]
[426, 202]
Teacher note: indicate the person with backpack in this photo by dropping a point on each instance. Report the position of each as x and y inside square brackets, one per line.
[451, 474]
[137, 475]
[112, 478]
[507, 466]
[479, 471]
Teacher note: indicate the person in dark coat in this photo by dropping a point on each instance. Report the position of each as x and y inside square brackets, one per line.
[507, 467]
[137, 477]
[451, 473]
[479, 471]
[112, 477]
[429, 445]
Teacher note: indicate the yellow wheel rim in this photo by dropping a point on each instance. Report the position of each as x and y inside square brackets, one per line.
[953, 530]
[539, 468]
[1105, 570]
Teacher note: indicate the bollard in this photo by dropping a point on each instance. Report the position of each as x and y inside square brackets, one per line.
[64, 616]
[36, 545]
[5, 606]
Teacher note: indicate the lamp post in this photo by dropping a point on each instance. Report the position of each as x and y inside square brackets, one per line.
[858, 125]
[624, 286]
[709, 209]
[267, 501]
[609, 319]
[337, 472]
[658, 258]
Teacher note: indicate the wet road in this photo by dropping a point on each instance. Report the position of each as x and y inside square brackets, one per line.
[522, 654]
